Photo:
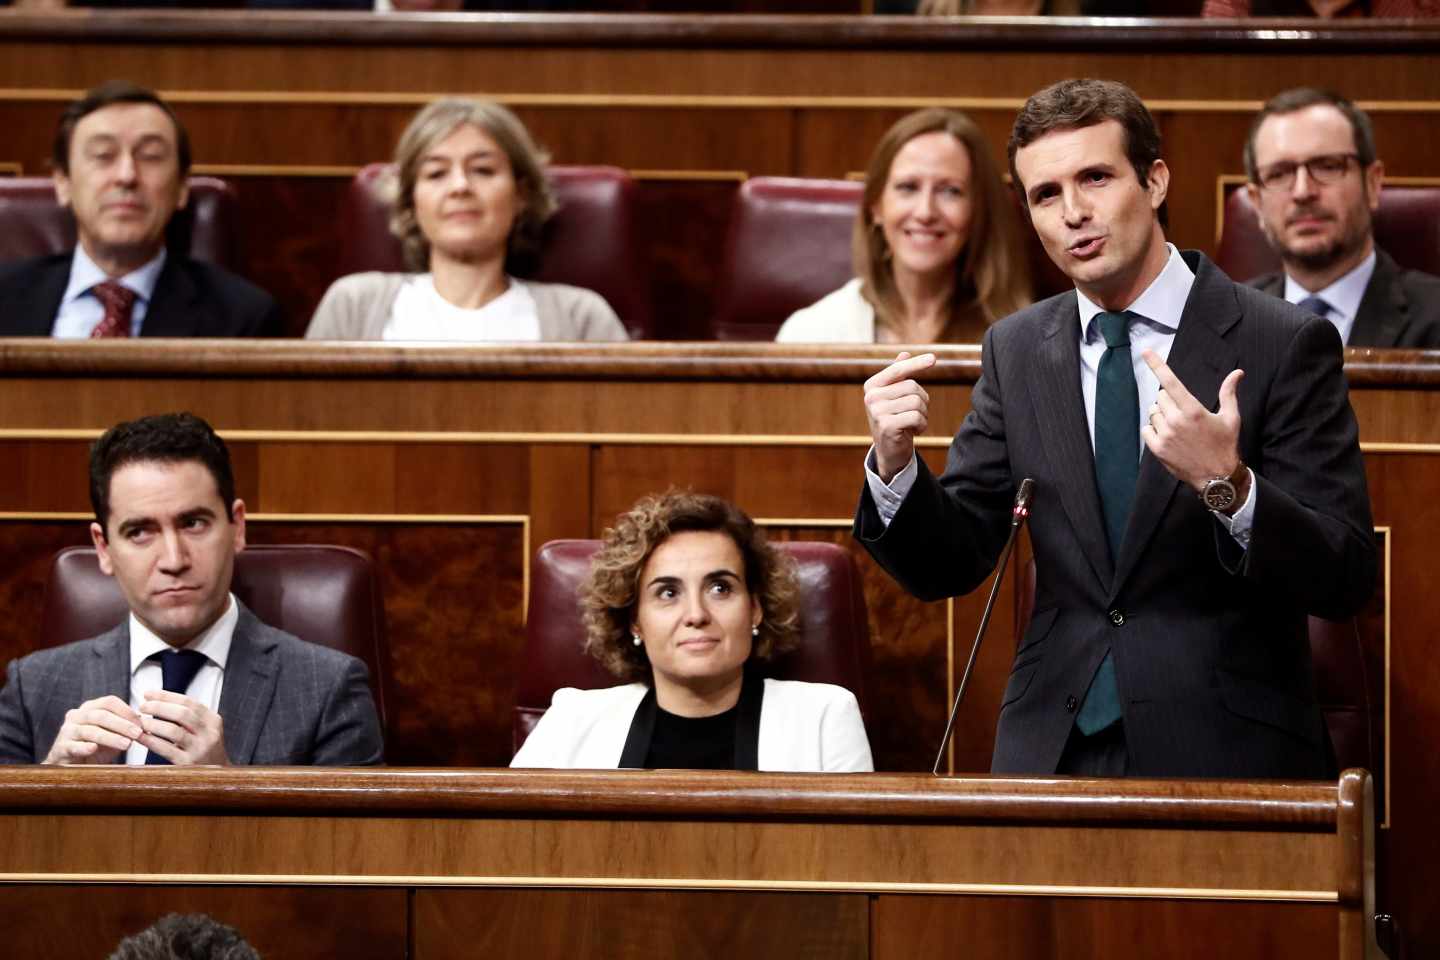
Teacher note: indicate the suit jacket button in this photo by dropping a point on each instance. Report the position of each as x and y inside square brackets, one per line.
[1117, 618]
[1070, 704]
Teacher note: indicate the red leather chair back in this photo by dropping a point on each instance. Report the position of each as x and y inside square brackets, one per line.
[1407, 226]
[788, 246]
[834, 642]
[589, 242]
[33, 224]
[328, 595]
[1341, 681]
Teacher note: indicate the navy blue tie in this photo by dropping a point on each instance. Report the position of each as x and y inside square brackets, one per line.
[177, 669]
[1117, 468]
[1316, 306]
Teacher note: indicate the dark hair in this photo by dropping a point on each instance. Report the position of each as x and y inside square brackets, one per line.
[107, 94]
[167, 438]
[1073, 104]
[611, 592]
[192, 936]
[1300, 98]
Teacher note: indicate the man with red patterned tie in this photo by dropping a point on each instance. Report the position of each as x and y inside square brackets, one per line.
[121, 159]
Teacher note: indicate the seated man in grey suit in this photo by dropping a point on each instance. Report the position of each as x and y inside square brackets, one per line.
[1315, 180]
[191, 677]
[121, 159]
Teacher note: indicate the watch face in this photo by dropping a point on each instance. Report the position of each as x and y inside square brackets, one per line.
[1219, 494]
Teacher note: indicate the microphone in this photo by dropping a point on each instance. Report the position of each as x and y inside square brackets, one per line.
[1018, 514]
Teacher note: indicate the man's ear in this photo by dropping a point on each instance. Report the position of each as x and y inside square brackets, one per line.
[1158, 184]
[102, 549]
[184, 195]
[237, 517]
[62, 188]
[1374, 182]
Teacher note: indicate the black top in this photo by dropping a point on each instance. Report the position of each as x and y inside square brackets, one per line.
[692, 743]
[726, 741]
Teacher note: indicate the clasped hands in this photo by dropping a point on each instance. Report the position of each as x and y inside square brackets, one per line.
[1194, 444]
[182, 730]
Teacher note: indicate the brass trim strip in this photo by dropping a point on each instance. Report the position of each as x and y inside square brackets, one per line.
[735, 176]
[950, 677]
[12, 168]
[838, 523]
[320, 171]
[612, 439]
[818, 886]
[1385, 820]
[275, 170]
[477, 437]
[681, 101]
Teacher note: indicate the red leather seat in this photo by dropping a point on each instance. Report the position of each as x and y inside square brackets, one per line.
[33, 224]
[1407, 226]
[834, 642]
[589, 242]
[788, 246]
[328, 595]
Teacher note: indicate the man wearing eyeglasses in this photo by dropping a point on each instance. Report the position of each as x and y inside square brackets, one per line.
[1315, 180]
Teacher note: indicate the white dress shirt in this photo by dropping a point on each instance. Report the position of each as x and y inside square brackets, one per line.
[1344, 295]
[81, 311]
[145, 674]
[1159, 308]
[420, 313]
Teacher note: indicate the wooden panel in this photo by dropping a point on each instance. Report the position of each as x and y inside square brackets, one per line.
[1021, 928]
[88, 921]
[600, 925]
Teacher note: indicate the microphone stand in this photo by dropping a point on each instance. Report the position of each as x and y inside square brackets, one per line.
[1017, 520]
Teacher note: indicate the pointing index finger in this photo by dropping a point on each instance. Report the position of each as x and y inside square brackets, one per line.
[1168, 381]
[902, 369]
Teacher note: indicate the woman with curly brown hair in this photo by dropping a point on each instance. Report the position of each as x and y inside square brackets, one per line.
[683, 597]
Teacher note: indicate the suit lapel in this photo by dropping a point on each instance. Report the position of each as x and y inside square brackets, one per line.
[1065, 432]
[35, 310]
[1201, 358]
[172, 309]
[1381, 316]
[108, 671]
[251, 673]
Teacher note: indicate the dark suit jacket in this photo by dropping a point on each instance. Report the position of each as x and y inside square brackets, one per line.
[284, 701]
[1210, 643]
[1401, 308]
[192, 299]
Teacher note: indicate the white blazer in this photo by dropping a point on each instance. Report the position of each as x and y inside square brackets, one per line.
[804, 727]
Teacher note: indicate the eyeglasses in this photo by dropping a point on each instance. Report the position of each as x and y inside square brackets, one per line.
[1326, 168]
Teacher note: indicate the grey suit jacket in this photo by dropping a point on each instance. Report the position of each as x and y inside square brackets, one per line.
[284, 701]
[1210, 643]
[1400, 308]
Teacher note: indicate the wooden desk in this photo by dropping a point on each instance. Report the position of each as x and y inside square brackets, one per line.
[451, 466]
[620, 864]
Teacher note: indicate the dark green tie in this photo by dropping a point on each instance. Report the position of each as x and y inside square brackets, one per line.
[1117, 465]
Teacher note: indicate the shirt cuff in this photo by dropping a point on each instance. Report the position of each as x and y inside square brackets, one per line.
[1239, 523]
[888, 497]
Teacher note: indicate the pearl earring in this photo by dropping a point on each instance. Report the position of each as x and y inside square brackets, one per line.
[635, 638]
[755, 630]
